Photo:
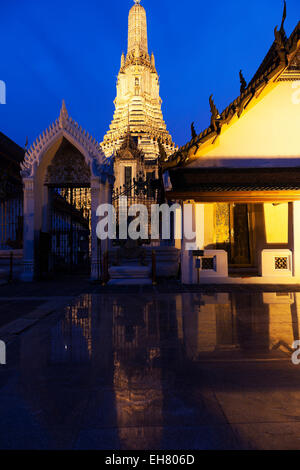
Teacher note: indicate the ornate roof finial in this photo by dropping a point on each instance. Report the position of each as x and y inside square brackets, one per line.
[152, 59]
[122, 59]
[283, 17]
[193, 131]
[243, 82]
[63, 116]
[215, 116]
[280, 36]
[137, 2]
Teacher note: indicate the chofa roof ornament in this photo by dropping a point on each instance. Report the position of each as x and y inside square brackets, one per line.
[243, 82]
[280, 38]
[63, 115]
[215, 116]
[283, 18]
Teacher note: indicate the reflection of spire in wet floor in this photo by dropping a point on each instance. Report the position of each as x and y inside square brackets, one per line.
[154, 371]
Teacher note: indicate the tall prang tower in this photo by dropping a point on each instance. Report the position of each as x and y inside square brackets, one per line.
[138, 123]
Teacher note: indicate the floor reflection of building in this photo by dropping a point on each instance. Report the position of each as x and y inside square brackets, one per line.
[252, 322]
[137, 373]
[200, 321]
[72, 335]
[247, 323]
[56, 368]
[284, 317]
[139, 333]
[134, 347]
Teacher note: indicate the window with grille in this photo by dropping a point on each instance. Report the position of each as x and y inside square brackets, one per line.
[281, 262]
[128, 176]
[208, 264]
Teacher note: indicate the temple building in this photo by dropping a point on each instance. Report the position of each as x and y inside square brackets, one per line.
[66, 174]
[137, 109]
[242, 176]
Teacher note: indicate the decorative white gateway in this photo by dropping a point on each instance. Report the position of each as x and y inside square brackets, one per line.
[138, 104]
[97, 172]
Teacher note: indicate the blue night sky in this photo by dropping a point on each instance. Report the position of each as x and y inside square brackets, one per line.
[71, 49]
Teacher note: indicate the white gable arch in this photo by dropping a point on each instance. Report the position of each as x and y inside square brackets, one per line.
[36, 200]
[65, 126]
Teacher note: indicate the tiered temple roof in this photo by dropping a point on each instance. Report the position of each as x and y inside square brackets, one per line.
[282, 62]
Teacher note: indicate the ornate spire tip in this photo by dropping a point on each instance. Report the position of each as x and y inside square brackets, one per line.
[63, 115]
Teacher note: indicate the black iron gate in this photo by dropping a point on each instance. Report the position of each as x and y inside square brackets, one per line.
[70, 222]
[137, 191]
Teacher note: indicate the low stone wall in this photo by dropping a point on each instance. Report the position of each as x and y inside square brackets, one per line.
[167, 260]
[276, 263]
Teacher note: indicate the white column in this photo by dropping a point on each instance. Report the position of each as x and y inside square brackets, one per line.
[101, 193]
[107, 199]
[177, 230]
[95, 201]
[28, 230]
[199, 214]
[296, 238]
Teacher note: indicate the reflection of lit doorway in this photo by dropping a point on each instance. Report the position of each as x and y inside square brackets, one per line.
[234, 233]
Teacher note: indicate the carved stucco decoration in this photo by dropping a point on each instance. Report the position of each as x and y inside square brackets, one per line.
[295, 62]
[129, 150]
[125, 155]
[68, 166]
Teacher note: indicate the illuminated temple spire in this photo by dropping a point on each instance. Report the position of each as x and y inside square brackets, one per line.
[137, 29]
[138, 103]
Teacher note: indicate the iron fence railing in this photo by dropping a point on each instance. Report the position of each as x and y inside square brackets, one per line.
[11, 222]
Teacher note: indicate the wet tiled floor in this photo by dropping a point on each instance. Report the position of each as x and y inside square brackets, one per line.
[154, 371]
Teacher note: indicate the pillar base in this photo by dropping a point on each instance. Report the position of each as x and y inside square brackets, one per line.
[28, 274]
[26, 277]
[95, 271]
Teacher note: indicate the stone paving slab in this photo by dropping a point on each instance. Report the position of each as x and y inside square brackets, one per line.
[130, 282]
[16, 327]
[12, 309]
[13, 328]
[48, 307]
[269, 436]
[159, 438]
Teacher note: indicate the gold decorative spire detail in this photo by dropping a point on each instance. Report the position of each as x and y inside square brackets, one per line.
[137, 29]
[138, 103]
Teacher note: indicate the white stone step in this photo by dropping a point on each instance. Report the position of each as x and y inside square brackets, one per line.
[130, 272]
[129, 282]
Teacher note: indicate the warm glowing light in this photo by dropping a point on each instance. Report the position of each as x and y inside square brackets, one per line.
[276, 223]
